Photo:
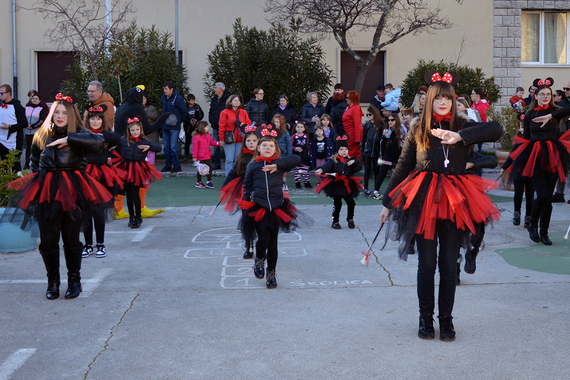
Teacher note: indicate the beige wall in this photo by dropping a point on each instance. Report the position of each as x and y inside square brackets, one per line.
[561, 76]
[203, 23]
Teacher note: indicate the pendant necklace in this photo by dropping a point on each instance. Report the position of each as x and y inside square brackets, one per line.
[446, 155]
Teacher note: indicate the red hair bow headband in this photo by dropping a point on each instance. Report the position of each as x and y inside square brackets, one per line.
[446, 77]
[93, 109]
[250, 128]
[133, 120]
[61, 97]
[266, 132]
[339, 138]
[546, 82]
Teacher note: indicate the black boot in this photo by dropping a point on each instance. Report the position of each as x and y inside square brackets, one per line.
[248, 254]
[527, 222]
[259, 268]
[446, 329]
[73, 262]
[544, 224]
[426, 330]
[271, 280]
[516, 218]
[51, 262]
[470, 263]
[533, 230]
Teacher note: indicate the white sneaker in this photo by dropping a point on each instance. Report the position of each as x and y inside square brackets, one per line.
[101, 251]
[87, 250]
[285, 187]
[377, 195]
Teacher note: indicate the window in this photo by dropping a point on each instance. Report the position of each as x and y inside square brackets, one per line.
[545, 38]
[374, 77]
[52, 71]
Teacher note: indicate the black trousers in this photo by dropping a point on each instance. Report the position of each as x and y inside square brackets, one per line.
[544, 184]
[133, 200]
[337, 206]
[524, 186]
[70, 229]
[382, 173]
[370, 165]
[448, 238]
[99, 222]
[266, 246]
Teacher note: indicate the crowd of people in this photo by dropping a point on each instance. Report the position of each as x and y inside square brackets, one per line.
[82, 167]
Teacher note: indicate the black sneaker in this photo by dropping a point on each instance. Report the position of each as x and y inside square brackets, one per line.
[165, 169]
[177, 169]
[308, 185]
[101, 251]
[516, 218]
[426, 330]
[259, 268]
[351, 224]
[87, 250]
[527, 222]
[248, 254]
[446, 329]
[558, 198]
[271, 280]
[298, 185]
[336, 226]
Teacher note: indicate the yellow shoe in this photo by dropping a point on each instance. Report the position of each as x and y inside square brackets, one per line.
[121, 214]
[147, 213]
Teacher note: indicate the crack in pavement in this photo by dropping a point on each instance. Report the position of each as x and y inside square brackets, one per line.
[376, 257]
[90, 366]
[198, 213]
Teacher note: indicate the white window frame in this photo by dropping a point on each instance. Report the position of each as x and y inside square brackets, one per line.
[541, 41]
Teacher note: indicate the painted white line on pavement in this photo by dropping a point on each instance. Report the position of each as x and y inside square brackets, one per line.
[139, 235]
[15, 361]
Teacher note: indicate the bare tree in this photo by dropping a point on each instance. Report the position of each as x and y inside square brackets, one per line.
[80, 25]
[389, 19]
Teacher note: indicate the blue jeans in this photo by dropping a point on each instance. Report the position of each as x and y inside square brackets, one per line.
[217, 151]
[232, 151]
[170, 140]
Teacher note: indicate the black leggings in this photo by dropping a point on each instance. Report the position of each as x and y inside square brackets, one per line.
[70, 229]
[524, 186]
[99, 222]
[337, 206]
[133, 200]
[266, 246]
[370, 165]
[544, 184]
[382, 173]
[448, 237]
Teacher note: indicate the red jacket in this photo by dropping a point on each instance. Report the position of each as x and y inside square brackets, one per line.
[482, 106]
[228, 122]
[201, 146]
[352, 123]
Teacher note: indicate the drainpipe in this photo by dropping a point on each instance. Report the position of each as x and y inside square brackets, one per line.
[14, 56]
[176, 30]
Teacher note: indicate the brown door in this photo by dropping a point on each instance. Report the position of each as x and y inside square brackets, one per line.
[374, 77]
[52, 72]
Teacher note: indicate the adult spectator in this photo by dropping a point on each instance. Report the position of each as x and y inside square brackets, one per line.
[217, 105]
[257, 109]
[13, 119]
[392, 98]
[480, 102]
[531, 91]
[97, 97]
[352, 123]
[42, 102]
[36, 114]
[285, 109]
[338, 88]
[172, 102]
[230, 121]
[558, 96]
[311, 112]
[380, 96]
[337, 111]
[152, 115]
[419, 104]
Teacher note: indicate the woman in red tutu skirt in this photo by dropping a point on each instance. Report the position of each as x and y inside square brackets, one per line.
[542, 156]
[137, 172]
[60, 191]
[429, 197]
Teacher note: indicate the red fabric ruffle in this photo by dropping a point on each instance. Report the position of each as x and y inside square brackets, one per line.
[139, 173]
[231, 193]
[106, 174]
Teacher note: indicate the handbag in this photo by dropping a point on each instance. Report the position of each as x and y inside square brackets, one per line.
[182, 136]
[229, 136]
[172, 120]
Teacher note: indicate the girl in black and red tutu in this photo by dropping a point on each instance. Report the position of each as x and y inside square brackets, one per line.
[340, 182]
[232, 189]
[429, 197]
[542, 156]
[60, 190]
[131, 159]
[99, 168]
[267, 208]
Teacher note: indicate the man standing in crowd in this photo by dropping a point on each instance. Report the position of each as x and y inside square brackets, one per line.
[97, 97]
[217, 105]
[338, 88]
[172, 102]
[380, 96]
[531, 91]
[12, 123]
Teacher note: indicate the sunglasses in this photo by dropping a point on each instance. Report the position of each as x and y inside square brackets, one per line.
[391, 120]
[566, 88]
[368, 114]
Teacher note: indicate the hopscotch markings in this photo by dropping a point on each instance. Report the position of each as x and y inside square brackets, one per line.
[15, 361]
[139, 235]
[88, 284]
[241, 276]
[200, 253]
[229, 234]
[326, 283]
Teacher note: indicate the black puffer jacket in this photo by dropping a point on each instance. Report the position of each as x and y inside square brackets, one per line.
[288, 113]
[131, 152]
[338, 188]
[370, 141]
[217, 105]
[390, 148]
[111, 140]
[265, 188]
[336, 116]
[132, 108]
[432, 159]
[257, 111]
[71, 157]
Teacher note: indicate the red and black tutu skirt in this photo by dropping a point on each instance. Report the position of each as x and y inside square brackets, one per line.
[549, 156]
[231, 193]
[283, 218]
[425, 197]
[138, 173]
[45, 195]
[108, 176]
[339, 185]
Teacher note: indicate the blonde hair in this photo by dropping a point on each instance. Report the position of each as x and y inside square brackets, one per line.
[47, 130]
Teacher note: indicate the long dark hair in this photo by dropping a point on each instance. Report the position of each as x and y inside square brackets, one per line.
[551, 105]
[379, 124]
[241, 162]
[397, 127]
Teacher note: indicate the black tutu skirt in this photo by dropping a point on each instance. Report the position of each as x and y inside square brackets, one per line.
[139, 173]
[339, 185]
[542, 155]
[47, 194]
[425, 197]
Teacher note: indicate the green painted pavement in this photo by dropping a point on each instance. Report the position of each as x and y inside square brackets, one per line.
[541, 258]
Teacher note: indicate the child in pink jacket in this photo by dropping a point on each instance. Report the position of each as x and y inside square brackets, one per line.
[201, 153]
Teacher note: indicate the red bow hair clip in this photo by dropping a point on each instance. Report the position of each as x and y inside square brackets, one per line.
[133, 120]
[95, 109]
[546, 82]
[249, 128]
[267, 132]
[435, 77]
[61, 97]
[431, 77]
[340, 138]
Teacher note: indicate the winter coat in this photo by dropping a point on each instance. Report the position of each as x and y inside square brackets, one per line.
[321, 149]
[285, 144]
[288, 113]
[481, 106]
[370, 141]
[336, 116]
[392, 99]
[352, 123]
[228, 123]
[377, 102]
[175, 104]
[309, 111]
[217, 105]
[194, 113]
[390, 148]
[201, 146]
[21, 123]
[35, 115]
[131, 108]
[108, 101]
[257, 111]
[130, 151]
[111, 140]
[72, 157]
[265, 188]
[298, 141]
[338, 188]
[152, 115]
